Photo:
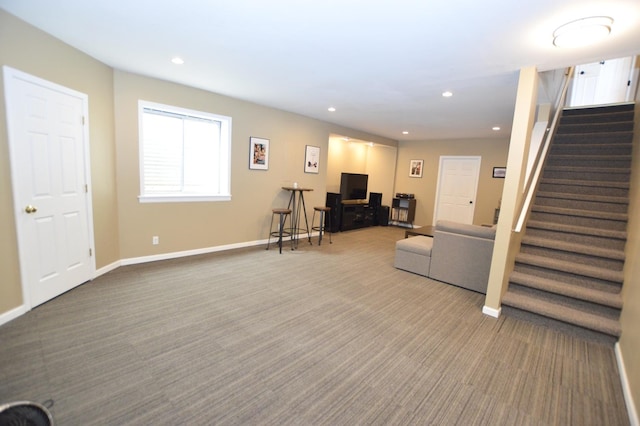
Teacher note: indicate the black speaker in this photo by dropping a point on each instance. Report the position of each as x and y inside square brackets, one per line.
[375, 201]
[383, 216]
[334, 200]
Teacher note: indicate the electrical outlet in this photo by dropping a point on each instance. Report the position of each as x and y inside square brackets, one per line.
[155, 240]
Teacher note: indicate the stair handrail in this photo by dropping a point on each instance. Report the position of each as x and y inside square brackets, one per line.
[541, 155]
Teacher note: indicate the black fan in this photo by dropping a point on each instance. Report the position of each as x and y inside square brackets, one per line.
[24, 413]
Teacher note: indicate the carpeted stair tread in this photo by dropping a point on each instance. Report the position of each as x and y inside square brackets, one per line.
[582, 197]
[580, 128]
[589, 183]
[596, 110]
[622, 217]
[562, 312]
[611, 299]
[583, 230]
[574, 247]
[612, 170]
[624, 137]
[571, 267]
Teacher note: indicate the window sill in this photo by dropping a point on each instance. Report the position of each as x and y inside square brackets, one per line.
[182, 198]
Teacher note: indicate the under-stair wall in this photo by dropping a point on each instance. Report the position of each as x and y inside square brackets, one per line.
[571, 260]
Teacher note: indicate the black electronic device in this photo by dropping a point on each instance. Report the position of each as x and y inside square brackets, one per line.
[375, 201]
[353, 186]
[334, 201]
[383, 216]
[403, 195]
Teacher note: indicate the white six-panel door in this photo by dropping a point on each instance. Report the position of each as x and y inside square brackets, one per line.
[49, 162]
[457, 188]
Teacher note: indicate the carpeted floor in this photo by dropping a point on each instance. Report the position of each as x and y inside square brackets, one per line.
[324, 335]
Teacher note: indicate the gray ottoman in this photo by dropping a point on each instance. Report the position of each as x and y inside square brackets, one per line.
[414, 255]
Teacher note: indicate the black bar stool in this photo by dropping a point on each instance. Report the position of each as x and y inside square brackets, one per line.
[281, 232]
[324, 212]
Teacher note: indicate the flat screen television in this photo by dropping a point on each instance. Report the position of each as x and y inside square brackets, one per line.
[353, 186]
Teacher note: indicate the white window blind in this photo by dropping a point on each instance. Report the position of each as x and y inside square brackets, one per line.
[184, 154]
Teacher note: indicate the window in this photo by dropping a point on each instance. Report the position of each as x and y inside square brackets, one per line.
[184, 155]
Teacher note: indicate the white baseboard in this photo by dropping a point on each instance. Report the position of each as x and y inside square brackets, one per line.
[491, 311]
[108, 268]
[626, 389]
[13, 314]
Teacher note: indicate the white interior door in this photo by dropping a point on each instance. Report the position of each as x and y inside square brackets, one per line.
[457, 188]
[49, 163]
[602, 83]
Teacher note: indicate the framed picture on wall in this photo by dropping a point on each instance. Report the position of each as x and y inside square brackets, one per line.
[499, 172]
[312, 159]
[258, 153]
[415, 168]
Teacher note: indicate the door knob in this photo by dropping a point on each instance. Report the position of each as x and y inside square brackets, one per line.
[30, 209]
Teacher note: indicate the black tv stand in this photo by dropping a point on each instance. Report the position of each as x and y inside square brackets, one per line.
[357, 214]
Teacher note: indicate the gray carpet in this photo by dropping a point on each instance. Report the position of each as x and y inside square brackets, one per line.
[329, 335]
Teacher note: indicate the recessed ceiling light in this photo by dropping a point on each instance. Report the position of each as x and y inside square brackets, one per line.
[177, 60]
[331, 109]
[496, 128]
[447, 94]
[405, 132]
[582, 32]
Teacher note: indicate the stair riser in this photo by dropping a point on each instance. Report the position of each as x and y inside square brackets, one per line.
[569, 329]
[584, 189]
[577, 258]
[594, 295]
[626, 126]
[602, 242]
[597, 110]
[582, 205]
[594, 149]
[597, 138]
[586, 174]
[597, 118]
[594, 308]
[612, 225]
[568, 278]
[596, 162]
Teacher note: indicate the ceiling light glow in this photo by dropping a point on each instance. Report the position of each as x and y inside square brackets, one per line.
[405, 132]
[177, 60]
[496, 128]
[447, 94]
[582, 32]
[331, 109]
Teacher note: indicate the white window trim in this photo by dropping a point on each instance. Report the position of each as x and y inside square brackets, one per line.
[225, 147]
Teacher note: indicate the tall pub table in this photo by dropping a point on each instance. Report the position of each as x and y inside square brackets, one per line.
[297, 206]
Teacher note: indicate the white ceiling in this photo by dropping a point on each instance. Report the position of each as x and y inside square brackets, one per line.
[383, 64]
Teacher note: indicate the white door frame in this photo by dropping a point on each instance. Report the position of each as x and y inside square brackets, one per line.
[10, 75]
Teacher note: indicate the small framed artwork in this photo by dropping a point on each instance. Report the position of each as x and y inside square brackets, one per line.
[259, 154]
[415, 168]
[312, 159]
[499, 172]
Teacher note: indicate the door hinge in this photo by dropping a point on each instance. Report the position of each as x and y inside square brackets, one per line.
[86, 188]
[90, 252]
[83, 120]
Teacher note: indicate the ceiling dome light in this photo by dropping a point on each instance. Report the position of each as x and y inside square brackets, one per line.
[331, 109]
[447, 94]
[177, 60]
[582, 32]
[405, 132]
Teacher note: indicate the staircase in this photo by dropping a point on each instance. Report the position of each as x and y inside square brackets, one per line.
[570, 265]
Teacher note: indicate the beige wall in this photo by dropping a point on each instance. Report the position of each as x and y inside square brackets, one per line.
[378, 161]
[189, 226]
[493, 153]
[630, 317]
[29, 50]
